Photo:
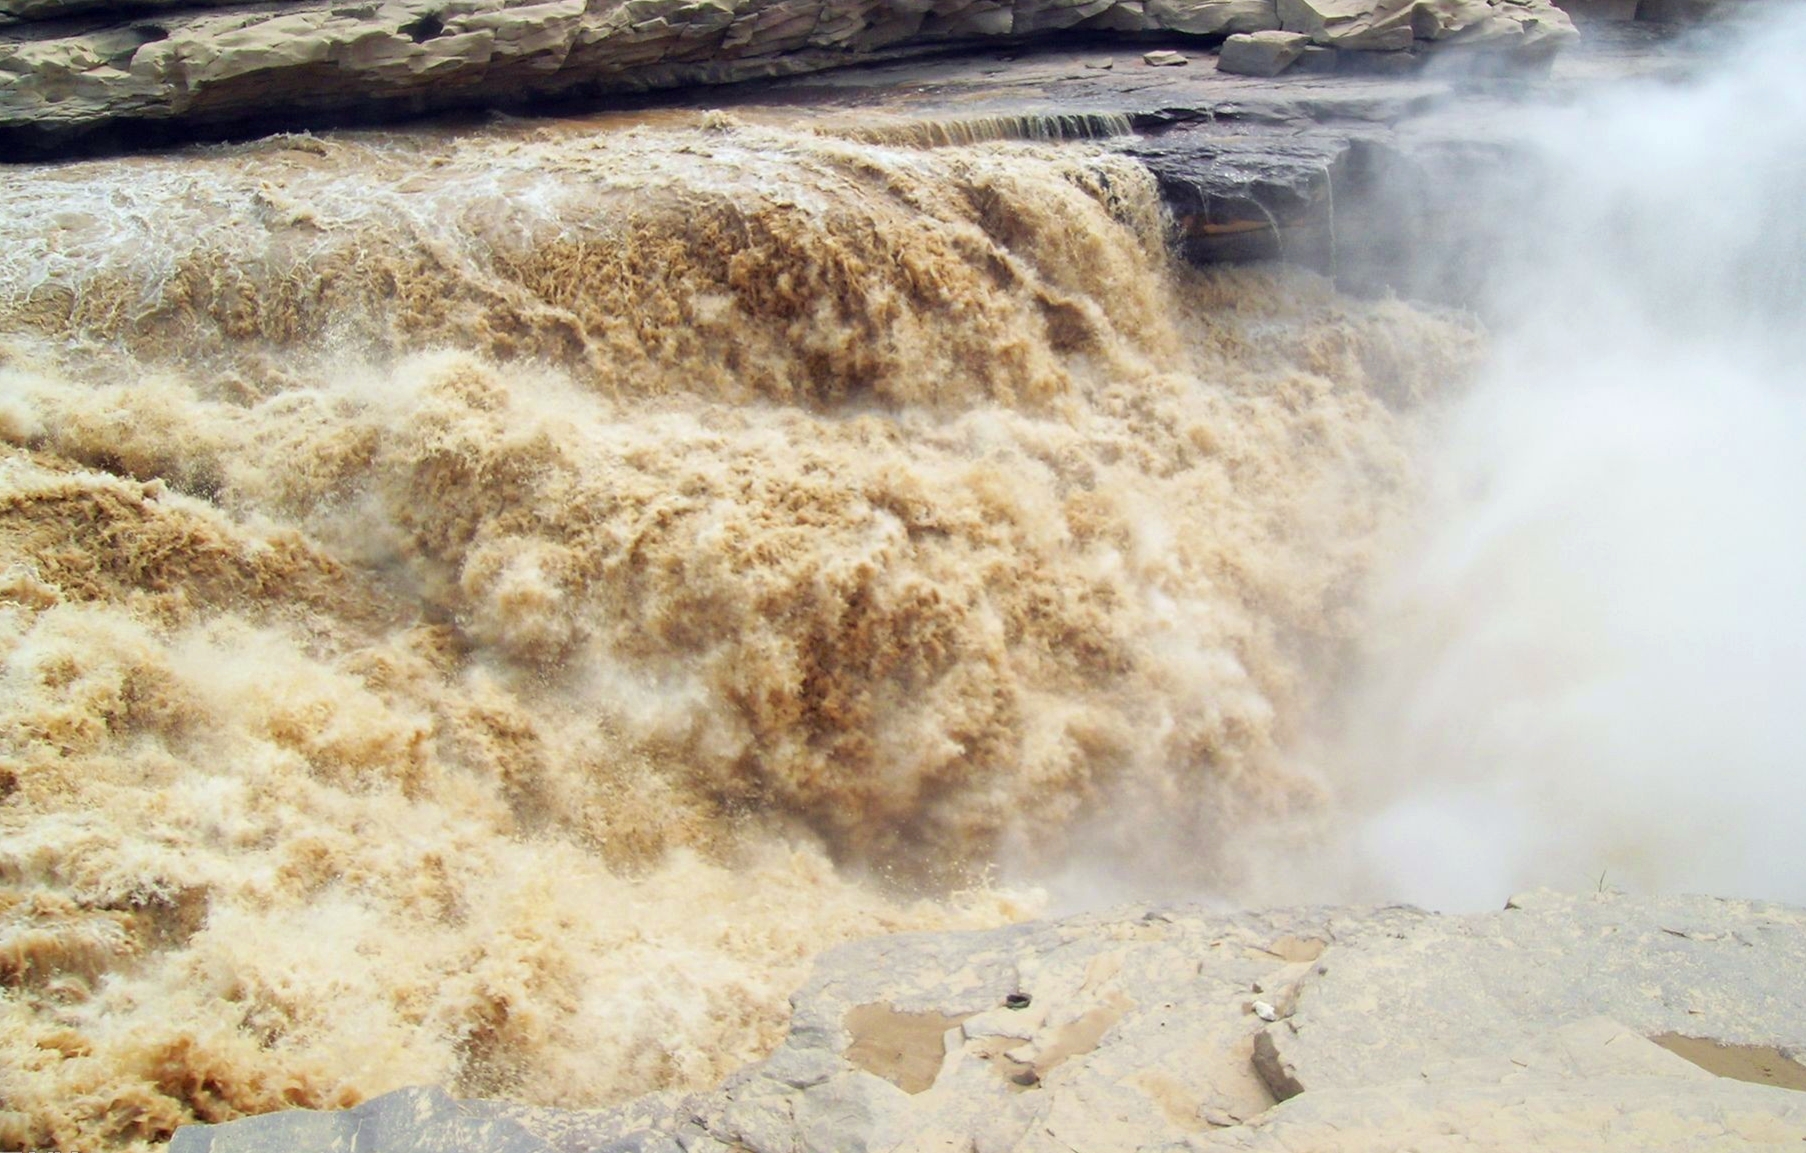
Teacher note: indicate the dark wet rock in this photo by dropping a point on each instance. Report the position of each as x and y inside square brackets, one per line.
[1263, 191]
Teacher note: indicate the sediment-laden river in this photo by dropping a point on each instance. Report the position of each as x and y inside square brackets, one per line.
[487, 607]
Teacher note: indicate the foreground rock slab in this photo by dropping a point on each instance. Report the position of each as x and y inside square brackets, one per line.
[1561, 1022]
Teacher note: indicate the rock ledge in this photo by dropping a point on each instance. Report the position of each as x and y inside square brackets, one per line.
[90, 74]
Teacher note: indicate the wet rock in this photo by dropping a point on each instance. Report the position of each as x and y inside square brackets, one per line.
[1262, 192]
[1526, 1028]
[1261, 53]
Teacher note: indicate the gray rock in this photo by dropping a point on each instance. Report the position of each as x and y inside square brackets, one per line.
[423, 1120]
[1261, 53]
[1679, 11]
[1651, 975]
[854, 1113]
[1615, 1114]
[300, 1131]
[1315, 60]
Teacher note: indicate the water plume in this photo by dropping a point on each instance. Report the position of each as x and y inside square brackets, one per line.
[1586, 664]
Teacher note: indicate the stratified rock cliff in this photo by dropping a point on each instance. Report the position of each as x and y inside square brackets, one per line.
[123, 73]
[1563, 1022]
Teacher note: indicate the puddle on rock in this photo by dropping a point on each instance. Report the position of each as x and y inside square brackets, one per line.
[1759, 1064]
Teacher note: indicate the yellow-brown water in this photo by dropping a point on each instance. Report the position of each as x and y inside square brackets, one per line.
[487, 609]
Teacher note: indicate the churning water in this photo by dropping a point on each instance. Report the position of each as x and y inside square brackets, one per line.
[489, 609]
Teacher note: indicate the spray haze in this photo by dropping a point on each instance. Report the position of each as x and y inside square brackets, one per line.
[1589, 660]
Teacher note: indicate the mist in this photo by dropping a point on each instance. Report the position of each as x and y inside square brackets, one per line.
[1586, 665]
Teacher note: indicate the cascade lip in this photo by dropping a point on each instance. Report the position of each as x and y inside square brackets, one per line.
[1304, 168]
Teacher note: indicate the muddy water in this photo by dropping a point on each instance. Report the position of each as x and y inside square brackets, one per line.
[487, 608]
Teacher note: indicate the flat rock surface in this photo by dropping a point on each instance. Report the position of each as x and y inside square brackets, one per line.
[1585, 1022]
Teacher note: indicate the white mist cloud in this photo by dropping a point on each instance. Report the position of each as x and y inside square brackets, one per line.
[1591, 659]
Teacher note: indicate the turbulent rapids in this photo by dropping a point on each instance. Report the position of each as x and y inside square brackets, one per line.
[486, 609]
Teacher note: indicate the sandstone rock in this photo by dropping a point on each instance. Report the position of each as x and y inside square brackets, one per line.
[1435, 19]
[1527, 1028]
[1165, 59]
[1358, 25]
[1261, 53]
[1394, 25]
[1212, 17]
[1612, 1114]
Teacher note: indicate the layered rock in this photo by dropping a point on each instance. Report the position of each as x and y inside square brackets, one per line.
[1584, 1022]
[1395, 25]
[70, 73]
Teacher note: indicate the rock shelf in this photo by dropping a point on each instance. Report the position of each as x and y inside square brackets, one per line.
[1589, 1021]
